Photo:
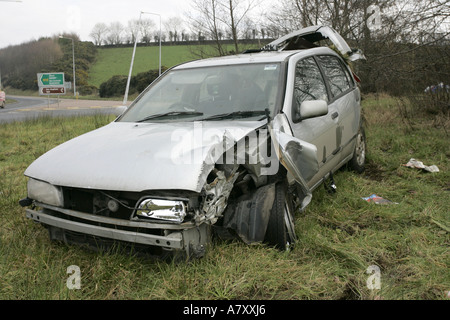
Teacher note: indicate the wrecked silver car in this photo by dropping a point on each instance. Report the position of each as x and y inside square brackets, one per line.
[228, 146]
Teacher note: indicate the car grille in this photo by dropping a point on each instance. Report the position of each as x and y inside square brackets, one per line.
[96, 202]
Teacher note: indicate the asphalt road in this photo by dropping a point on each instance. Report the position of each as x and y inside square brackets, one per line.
[33, 107]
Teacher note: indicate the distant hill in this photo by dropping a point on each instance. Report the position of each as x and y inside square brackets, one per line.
[116, 61]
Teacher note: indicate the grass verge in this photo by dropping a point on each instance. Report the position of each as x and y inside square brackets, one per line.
[340, 236]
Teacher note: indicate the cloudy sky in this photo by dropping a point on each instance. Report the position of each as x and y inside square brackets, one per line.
[31, 19]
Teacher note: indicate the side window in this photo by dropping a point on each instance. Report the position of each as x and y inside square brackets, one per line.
[309, 84]
[338, 77]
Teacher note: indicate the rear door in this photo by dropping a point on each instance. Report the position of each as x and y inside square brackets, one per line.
[344, 101]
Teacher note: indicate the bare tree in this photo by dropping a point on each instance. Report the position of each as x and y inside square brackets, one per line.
[133, 28]
[216, 18]
[147, 27]
[204, 21]
[174, 27]
[116, 30]
[391, 33]
[234, 13]
[98, 33]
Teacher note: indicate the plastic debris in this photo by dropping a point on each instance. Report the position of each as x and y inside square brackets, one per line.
[413, 163]
[441, 87]
[378, 200]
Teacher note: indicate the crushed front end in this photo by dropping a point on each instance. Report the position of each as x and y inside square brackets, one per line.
[160, 223]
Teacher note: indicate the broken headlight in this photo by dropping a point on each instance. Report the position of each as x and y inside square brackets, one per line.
[170, 210]
[45, 192]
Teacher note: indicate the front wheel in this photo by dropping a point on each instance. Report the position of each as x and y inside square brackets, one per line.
[280, 230]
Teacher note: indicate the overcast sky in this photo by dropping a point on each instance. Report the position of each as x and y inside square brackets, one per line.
[31, 19]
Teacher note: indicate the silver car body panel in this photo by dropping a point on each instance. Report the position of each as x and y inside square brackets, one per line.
[136, 157]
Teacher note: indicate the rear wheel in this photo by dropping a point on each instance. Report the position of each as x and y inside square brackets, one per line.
[280, 230]
[358, 162]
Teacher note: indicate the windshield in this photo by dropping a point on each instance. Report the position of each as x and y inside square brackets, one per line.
[232, 91]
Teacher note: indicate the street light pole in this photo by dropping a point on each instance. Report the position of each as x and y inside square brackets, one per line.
[125, 98]
[156, 14]
[73, 57]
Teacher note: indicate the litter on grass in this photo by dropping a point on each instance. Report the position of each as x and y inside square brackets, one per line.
[378, 200]
[413, 163]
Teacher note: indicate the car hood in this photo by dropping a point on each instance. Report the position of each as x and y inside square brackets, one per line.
[134, 157]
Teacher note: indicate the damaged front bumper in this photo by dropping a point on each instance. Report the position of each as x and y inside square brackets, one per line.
[186, 236]
[156, 224]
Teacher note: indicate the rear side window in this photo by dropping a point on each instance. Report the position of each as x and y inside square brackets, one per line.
[309, 84]
[339, 79]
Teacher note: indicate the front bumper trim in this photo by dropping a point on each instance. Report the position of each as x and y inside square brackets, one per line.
[173, 241]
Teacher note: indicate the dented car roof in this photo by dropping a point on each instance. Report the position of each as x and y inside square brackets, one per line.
[261, 57]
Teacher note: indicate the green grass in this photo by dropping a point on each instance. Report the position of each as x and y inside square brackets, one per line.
[340, 235]
[116, 61]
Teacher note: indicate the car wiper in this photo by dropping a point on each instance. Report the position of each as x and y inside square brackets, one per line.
[237, 114]
[171, 113]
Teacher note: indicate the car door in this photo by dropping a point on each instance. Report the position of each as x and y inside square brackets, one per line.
[309, 85]
[344, 101]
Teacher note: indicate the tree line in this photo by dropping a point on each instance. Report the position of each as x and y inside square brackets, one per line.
[20, 64]
[406, 42]
[145, 30]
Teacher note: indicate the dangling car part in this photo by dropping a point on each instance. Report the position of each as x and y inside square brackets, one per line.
[309, 37]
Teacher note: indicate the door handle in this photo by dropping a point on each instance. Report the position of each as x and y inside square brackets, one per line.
[334, 115]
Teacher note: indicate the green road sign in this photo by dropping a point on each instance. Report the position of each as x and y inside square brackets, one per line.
[51, 79]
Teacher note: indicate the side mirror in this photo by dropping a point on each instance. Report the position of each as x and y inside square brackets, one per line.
[313, 108]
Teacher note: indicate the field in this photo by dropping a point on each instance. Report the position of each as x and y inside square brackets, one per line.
[116, 61]
[341, 236]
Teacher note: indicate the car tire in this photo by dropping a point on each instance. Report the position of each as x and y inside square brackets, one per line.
[358, 162]
[280, 231]
[3, 105]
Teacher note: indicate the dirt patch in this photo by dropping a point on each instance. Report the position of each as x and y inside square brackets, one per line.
[374, 172]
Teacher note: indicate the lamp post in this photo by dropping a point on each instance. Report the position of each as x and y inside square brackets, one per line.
[73, 57]
[125, 98]
[156, 14]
